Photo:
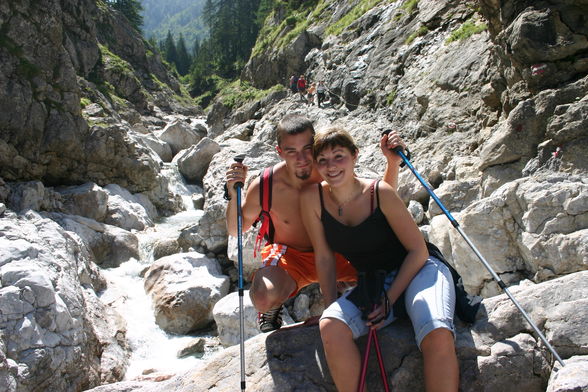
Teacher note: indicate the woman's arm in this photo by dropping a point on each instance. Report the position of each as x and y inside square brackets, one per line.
[324, 257]
[409, 235]
[387, 144]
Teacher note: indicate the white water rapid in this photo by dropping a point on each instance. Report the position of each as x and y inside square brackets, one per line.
[153, 350]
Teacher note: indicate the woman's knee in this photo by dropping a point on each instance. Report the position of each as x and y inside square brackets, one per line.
[332, 330]
[439, 339]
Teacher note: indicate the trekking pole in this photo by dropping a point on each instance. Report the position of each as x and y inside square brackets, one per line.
[372, 335]
[455, 224]
[239, 186]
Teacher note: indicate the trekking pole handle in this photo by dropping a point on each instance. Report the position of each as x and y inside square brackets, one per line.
[398, 149]
[239, 159]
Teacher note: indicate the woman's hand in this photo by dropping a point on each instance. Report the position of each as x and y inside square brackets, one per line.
[378, 316]
[388, 143]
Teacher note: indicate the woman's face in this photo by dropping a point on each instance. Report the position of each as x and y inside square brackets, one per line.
[335, 164]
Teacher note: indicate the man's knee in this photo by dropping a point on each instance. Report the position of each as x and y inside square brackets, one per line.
[265, 291]
[259, 298]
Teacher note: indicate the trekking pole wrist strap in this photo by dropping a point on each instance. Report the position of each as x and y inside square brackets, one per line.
[226, 194]
[408, 156]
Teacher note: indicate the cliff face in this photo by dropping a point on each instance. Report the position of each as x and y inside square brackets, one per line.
[450, 73]
[53, 54]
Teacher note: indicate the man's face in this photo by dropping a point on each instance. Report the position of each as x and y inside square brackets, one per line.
[296, 151]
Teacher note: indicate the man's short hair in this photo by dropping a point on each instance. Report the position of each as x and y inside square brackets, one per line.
[293, 124]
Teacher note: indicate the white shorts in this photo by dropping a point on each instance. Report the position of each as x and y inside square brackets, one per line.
[429, 299]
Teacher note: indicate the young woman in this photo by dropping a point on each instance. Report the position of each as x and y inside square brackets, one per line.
[367, 222]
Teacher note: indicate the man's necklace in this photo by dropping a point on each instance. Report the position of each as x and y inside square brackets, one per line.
[340, 205]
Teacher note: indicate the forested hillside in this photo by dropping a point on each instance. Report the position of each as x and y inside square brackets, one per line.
[176, 16]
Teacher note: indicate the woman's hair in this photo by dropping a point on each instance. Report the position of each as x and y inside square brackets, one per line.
[332, 137]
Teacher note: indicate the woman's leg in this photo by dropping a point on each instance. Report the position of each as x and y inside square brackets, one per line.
[430, 303]
[342, 354]
[440, 361]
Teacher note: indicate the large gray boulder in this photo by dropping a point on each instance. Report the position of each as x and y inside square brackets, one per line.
[573, 377]
[88, 200]
[184, 288]
[194, 161]
[534, 226]
[226, 317]
[128, 211]
[180, 135]
[110, 245]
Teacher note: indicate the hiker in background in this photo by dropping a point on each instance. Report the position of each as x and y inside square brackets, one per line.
[294, 84]
[554, 163]
[320, 92]
[310, 93]
[287, 258]
[302, 86]
[367, 222]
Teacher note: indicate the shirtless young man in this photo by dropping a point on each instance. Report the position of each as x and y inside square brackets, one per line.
[288, 263]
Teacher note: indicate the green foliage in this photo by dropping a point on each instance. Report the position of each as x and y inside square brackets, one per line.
[299, 17]
[419, 33]
[170, 52]
[238, 93]
[131, 9]
[84, 102]
[409, 5]
[114, 62]
[466, 30]
[184, 59]
[291, 20]
[233, 30]
[356, 12]
[101, 5]
[391, 97]
[178, 16]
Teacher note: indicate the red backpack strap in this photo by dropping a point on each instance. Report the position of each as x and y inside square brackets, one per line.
[266, 231]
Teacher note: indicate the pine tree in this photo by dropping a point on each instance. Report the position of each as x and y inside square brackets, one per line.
[131, 9]
[233, 26]
[183, 57]
[195, 49]
[170, 52]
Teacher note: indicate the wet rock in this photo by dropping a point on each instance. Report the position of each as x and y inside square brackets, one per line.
[184, 288]
[179, 135]
[193, 162]
[195, 346]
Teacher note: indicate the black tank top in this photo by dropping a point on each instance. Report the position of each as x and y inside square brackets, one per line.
[370, 245]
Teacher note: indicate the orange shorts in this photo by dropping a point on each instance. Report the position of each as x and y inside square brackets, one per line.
[300, 265]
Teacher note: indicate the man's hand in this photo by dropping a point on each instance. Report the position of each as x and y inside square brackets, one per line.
[387, 144]
[237, 173]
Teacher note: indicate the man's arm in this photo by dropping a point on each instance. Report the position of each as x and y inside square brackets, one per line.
[324, 257]
[250, 207]
[387, 144]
